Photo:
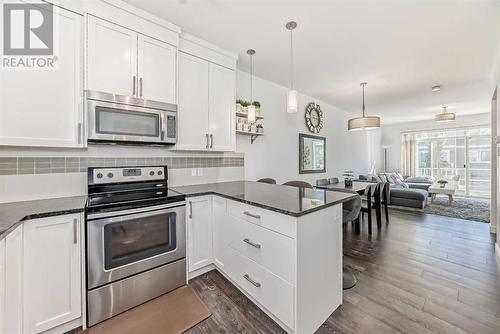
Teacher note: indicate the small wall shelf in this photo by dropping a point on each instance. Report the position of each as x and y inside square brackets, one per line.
[253, 135]
[245, 115]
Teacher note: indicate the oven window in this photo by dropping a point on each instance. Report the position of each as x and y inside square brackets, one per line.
[134, 240]
[124, 122]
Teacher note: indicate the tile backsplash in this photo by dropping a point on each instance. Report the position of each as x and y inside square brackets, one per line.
[52, 165]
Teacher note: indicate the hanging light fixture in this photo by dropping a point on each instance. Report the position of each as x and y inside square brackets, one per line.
[365, 122]
[252, 113]
[445, 116]
[291, 101]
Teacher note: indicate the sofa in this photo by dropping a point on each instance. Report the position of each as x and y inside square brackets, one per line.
[403, 191]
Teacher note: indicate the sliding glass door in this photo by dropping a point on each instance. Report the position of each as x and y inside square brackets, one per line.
[460, 156]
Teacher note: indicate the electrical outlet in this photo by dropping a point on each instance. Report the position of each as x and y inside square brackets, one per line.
[193, 171]
[200, 171]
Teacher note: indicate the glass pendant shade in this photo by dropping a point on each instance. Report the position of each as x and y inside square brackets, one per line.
[252, 114]
[445, 116]
[363, 123]
[292, 103]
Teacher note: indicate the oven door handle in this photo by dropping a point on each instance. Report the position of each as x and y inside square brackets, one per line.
[139, 212]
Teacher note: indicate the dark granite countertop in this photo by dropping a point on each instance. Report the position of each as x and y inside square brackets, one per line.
[13, 213]
[288, 200]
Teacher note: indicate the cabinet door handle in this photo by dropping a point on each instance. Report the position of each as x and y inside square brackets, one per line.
[190, 210]
[75, 234]
[207, 146]
[248, 241]
[140, 87]
[133, 85]
[249, 214]
[80, 133]
[211, 141]
[254, 283]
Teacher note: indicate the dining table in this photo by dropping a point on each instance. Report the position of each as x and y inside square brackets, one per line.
[357, 187]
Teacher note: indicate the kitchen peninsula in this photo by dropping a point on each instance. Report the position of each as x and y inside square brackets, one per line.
[280, 245]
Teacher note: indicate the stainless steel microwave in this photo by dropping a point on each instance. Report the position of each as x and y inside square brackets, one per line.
[124, 119]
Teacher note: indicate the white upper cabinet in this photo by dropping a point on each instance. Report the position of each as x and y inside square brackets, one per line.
[122, 61]
[193, 103]
[52, 272]
[112, 58]
[157, 70]
[206, 105]
[44, 107]
[221, 107]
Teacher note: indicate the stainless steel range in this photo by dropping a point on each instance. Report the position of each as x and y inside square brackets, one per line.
[136, 239]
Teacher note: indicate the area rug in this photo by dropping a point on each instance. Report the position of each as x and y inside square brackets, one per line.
[172, 313]
[462, 207]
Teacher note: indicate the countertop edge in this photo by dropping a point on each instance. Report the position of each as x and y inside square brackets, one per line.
[31, 216]
[270, 208]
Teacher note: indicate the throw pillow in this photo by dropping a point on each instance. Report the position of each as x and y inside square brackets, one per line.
[383, 177]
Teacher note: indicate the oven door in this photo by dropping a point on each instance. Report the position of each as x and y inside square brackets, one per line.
[132, 242]
[127, 123]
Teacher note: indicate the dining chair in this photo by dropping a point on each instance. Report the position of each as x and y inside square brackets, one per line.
[350, 213]
[372, 193]
[267, 180]
[322, 182]
[298, 184]
[333, 180]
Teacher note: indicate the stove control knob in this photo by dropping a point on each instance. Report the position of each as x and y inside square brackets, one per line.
[151, 173]
[110, 175]
[99, 175]
[160, 172]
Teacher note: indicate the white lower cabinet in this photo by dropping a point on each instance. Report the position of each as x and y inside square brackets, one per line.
[290, 267]
[199, 227]
[2, 285]
[52, 272]
[41, 276]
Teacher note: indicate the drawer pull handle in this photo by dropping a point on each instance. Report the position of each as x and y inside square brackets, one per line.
[249, 214]
[254, 283]
[251, 243]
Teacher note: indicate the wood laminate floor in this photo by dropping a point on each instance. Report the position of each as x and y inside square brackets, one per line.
[420, 274]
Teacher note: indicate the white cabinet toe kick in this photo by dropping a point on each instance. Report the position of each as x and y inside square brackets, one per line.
[291, 267]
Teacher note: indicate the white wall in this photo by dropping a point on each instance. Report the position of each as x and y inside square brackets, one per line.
[276, 154]
[391, 134]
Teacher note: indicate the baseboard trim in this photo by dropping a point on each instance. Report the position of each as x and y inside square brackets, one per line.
[201, 271]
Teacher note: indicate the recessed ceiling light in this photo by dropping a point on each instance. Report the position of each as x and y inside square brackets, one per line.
[436, 88]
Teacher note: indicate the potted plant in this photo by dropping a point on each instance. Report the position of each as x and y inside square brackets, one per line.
[442, 183]
[257, 107]
[348, 176]
[240, 104]
[260, 128]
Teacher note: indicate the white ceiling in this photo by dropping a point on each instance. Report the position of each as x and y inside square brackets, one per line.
[401, 48]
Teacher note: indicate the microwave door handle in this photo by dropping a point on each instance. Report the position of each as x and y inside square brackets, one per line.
[162, 126]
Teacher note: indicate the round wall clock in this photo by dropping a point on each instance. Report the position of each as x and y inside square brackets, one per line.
[314, 117]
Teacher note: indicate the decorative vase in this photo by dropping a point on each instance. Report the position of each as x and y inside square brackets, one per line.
[442, 185]
[239, 107]
[348, 182]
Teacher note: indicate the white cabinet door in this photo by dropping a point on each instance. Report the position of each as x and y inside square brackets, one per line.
[220, 218]
[112, 58]
[157, 70]
[13, 314]
[44, 107]
[2, 285]
[199, 228]
[52, 272]
[221, 106]
[193, 103]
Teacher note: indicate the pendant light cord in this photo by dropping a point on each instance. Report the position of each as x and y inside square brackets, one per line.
[291, 59]
[363, 85]
[251, 79]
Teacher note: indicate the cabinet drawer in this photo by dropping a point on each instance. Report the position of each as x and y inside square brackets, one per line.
[274, 221]
[272, 250]
[272, 292]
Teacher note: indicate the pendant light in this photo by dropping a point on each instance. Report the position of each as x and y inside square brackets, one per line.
[291, 101]
[445, 116]
[252, 117]
[365, 122]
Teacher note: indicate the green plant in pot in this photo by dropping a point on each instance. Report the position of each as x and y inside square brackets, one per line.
[240, 104]
[442, 183]
[257, 107]
[348, 176]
